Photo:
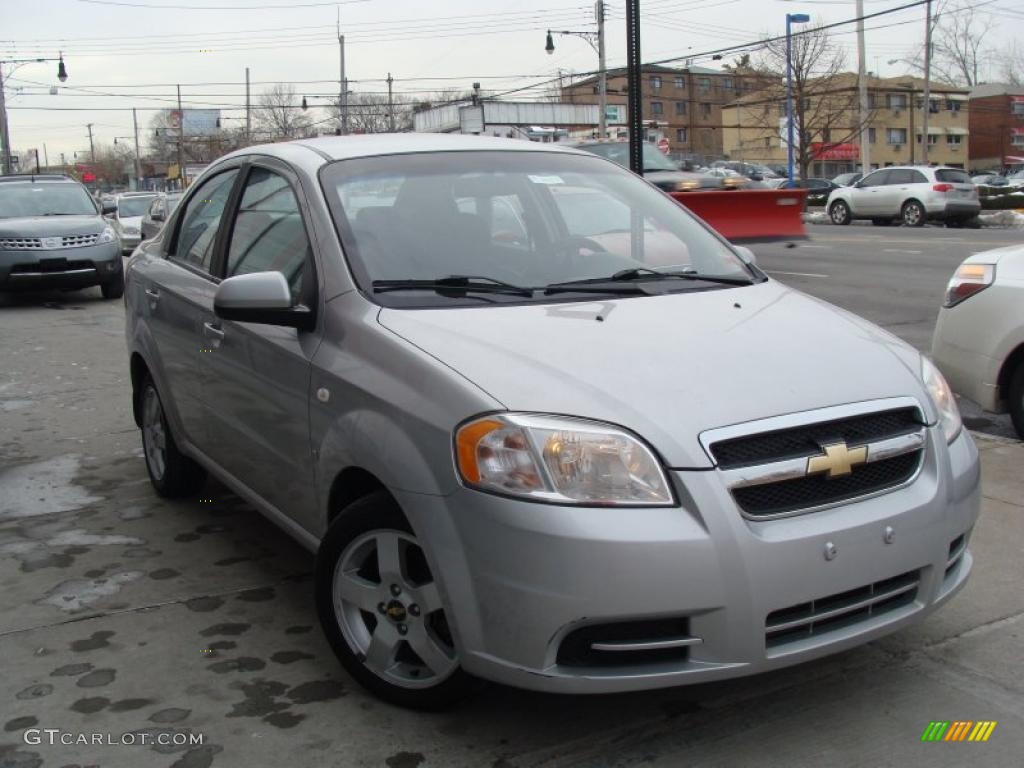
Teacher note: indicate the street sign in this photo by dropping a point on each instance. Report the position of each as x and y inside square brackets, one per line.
[663, 144]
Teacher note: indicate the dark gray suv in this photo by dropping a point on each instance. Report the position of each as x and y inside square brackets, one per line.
[52, 235]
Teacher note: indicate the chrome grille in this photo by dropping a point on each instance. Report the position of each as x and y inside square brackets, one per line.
[835, 612]
[21, 243]
[800, 467]
[78, 241]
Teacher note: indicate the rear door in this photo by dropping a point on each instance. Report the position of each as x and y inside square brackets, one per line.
[258, 376]
[178, 295]
[898, 189]
[865, 197]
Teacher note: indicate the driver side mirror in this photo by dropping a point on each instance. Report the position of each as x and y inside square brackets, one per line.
[260, 297]
[157, 216]
[746, 255]
[109, 208]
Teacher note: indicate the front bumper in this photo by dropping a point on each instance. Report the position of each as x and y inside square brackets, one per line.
[519, 577]
[63, 269]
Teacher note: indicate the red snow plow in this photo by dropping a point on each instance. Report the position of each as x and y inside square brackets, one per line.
[750, 215]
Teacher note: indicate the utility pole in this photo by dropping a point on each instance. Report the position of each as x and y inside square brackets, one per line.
[342, 82]
[602, 76]
[5, 136]
[862, 80]
[635, 80]
[927, 81]
[46, 156]
[92, 148]
[181, 142]
[391, 106]
[248, 110]
[138, 164]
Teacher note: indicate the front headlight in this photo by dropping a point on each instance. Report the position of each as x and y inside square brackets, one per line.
[561, 460]
[942, 397]
[107, 235]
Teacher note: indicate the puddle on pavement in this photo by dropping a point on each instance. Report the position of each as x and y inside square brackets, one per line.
[42, 488]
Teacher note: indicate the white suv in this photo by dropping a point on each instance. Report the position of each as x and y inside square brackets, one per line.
[913, 194]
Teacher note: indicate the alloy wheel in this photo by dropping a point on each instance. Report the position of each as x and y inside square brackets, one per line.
[389, 610]
[154, 433]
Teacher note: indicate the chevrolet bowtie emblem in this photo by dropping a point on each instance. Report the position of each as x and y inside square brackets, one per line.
[838, 460]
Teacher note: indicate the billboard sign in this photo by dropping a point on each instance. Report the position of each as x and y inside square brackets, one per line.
[193, 122]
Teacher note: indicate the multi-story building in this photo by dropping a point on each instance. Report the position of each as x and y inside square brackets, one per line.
[683, 105]
[754, 126]
[997, 126]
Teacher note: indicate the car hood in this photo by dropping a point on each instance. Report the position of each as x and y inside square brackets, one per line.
[670, 367]
[50, 226]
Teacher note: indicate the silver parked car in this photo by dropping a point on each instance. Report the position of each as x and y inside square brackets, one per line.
[52, 236]
[604, 453]
[127, 217]
[911, 194]
[979, 336]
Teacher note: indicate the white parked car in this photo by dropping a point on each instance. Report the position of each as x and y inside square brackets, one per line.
[913, 194]
[979, 338]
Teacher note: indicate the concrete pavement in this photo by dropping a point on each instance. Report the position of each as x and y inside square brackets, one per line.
[123, 613]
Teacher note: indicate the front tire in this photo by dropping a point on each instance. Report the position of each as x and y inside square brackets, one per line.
[913, 214]
[1016, 399]
[839, 213]
[114, 289]
[172, 473]
[381, 610]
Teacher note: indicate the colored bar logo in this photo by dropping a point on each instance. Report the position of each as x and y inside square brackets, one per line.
[958, 730]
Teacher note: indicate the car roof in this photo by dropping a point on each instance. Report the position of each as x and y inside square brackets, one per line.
[32, 178]
[370, 145]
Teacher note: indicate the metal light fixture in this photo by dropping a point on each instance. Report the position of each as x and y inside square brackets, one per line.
[62, 72]
[550, 45]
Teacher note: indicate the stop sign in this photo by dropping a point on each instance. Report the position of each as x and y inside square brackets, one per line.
[663, 144]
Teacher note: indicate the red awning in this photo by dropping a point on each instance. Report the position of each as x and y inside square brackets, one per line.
[1017, 99]
[1017, 131]
[822, 151]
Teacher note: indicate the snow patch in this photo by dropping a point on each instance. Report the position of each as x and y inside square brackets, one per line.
[42, 488]
[77, 594]
[816, 217]
[1003, 219]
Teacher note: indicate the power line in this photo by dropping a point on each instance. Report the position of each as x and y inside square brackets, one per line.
[222, 7]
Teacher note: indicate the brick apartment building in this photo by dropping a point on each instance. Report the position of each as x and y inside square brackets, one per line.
[997, 126]
[683, 104]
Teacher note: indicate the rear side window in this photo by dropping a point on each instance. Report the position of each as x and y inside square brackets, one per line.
[875, 179]
[906, 176]
[952, 176]
[199, 224]
[268, 233]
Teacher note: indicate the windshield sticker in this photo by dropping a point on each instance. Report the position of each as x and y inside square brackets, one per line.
[546, 179]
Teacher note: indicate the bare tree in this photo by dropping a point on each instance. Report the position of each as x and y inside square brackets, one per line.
[278, 114]
[163, 142]
[959, 45]
[371, 113]
[1012, 68]
[113, 163]
[825, 101]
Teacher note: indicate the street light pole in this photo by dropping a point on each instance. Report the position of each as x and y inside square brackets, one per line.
[791, 18]
[862, 81]
[634, 72]
[927, 82]
[5, 132]
[602, 75]
[138, 163]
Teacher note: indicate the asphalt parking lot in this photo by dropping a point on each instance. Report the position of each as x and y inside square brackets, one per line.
[121, 612]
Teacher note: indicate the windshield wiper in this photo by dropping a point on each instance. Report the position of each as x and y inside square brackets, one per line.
[644, 274]
[453, 283]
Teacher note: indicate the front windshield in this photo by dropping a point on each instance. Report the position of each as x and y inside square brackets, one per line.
[136, 205]
[530, 219]
[18, 199]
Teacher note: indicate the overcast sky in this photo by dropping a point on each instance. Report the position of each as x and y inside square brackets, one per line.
[137, 50]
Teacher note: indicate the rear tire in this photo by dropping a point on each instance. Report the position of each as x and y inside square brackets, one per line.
[113, 289]
[913, 214]
[172, 473]
[380, 608]
[839, 213]
[1015, 399]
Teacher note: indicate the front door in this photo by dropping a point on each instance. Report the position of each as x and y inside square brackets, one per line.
[258, 376]
[865, 197]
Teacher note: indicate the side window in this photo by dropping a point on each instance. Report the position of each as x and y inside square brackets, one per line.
[268, 233]
[916, 177]
[198, 229]
[876, 179]
[154, 207]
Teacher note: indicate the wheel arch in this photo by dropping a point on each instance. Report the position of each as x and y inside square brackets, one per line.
[139, 372]
[349, 485]
[1015, 358]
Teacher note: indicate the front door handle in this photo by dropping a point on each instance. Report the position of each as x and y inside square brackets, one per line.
[212, 331]
[153, 294]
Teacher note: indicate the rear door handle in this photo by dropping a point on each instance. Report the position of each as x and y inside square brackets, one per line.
[211, 331]
[154, 295]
